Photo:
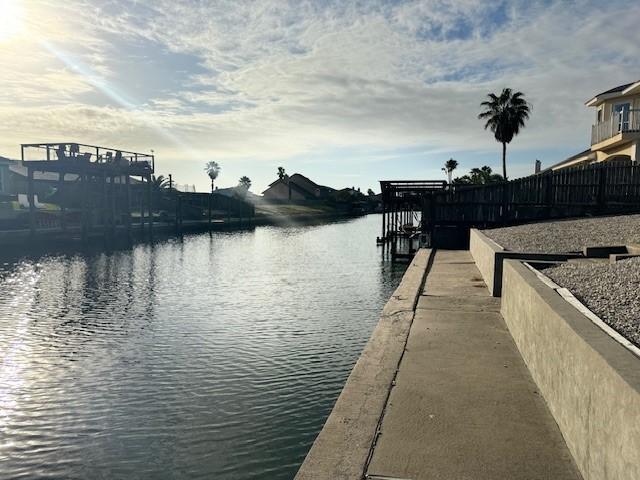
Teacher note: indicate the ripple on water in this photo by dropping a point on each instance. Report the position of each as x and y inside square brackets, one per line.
[212, 357]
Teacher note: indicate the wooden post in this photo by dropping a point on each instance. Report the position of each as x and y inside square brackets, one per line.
[32, 202]
[85, 207]
[105, 205]
[141, 194]
[384, 218]
[128, 202]
[602, 186]
[150, 202]
[63, 218]
[114, 205]
[210, 195]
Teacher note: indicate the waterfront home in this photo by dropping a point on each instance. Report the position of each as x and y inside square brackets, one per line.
[615, 135]
[296, 187]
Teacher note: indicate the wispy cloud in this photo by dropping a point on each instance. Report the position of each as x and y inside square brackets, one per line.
[274, 81]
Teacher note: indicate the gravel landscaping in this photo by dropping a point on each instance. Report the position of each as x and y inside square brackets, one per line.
[565, 236]
[611, 291]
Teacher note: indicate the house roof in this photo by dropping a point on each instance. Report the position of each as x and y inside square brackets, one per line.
[291, 180]
[577, 158]
[626, 89]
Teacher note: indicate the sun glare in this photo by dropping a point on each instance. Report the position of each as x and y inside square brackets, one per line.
[11, 19]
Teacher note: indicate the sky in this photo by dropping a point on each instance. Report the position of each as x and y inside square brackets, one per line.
[344, 92]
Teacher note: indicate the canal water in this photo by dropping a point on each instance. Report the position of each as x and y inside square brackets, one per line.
[212, 356]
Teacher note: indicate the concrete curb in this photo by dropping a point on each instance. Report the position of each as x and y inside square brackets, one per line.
[490, 257]
[590, 382]
[342, 449]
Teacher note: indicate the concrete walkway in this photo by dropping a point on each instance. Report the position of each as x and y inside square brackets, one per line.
[464, 405]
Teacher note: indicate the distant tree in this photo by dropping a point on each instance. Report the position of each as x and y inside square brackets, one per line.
[505, 115]
[479, 176]
[245, 182]
[449, 166]
[371, 193]
[213, 170]
[281, 173]
[160, 182]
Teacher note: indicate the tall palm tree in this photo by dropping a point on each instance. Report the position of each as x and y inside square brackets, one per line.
[213, 170]
[245, 182]
[160, 182]
[505, 115]
[449, 166]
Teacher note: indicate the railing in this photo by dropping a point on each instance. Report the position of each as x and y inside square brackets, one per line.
[80, 152]
[619, 122]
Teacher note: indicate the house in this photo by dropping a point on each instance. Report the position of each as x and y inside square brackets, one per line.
[296, 187]
[615, 135]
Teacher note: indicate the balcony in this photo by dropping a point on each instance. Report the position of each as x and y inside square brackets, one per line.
[620, 123]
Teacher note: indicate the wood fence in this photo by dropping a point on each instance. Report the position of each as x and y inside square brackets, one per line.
[591, 190]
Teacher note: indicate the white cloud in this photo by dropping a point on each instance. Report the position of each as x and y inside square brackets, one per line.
[287, 79]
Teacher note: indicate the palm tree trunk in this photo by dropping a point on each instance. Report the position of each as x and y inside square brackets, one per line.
[504, 160]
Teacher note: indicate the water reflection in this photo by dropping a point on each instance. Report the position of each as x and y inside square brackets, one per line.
[211, 356]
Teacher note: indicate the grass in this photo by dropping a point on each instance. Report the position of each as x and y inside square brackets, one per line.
[293, 209]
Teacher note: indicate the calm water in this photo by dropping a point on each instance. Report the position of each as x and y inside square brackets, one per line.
[208, 357]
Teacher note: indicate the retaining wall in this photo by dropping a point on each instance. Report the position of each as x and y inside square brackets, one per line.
[590, 382]
[490, 257]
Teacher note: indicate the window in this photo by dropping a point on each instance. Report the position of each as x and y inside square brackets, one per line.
[621, 111]
[599, 115]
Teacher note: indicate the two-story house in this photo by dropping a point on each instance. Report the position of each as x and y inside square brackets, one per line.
[616, 132]
[615, 135]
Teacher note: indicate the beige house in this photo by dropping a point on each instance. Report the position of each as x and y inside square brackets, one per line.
[616, 132]
[615, 135]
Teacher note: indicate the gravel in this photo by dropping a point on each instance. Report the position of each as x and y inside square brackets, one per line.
[611, 291]
[568, 235]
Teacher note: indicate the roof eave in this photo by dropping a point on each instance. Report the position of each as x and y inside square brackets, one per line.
[598, 99]
[631, 88]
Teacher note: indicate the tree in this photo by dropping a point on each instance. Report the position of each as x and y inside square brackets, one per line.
[371, 193]
[479, 176]
[213, 170]
[505, 115]
[449, 166]
[281, 173]
[159, 183]
[245, 182]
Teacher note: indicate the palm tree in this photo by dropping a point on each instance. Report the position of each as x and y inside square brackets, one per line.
[159, 183]
[449, 166]
[245, 182]
[213, 170]
[281, 173]
[506, 115]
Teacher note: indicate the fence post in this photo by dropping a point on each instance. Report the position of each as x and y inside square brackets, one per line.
[505, 195]
[602, 186]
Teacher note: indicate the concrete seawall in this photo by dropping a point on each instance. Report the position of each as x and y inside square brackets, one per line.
[590, 382]
[343, 447]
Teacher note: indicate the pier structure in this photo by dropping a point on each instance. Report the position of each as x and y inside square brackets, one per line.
[445, 212]
[94, 180]
[407, 210]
